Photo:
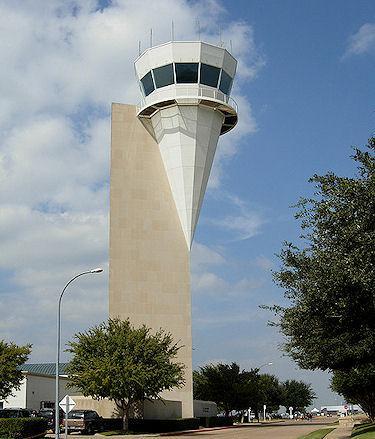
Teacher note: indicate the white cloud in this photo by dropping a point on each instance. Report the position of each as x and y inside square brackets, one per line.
[229, 319]
[64, 63]
[362, 41]
[208, 282]
[211, 283]
[244, 224]
[264, 263]
[203, 256]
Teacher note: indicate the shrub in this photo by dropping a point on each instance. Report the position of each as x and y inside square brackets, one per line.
[21, 427]
[163, 425]
[153, 425]
[216, 421]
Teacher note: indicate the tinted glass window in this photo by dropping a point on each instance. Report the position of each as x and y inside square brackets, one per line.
[148, 84]
[76, 415]
[186, 73]
[91, 415]
[209, 75]
[163, 76]
[225, 82]
[9, 414]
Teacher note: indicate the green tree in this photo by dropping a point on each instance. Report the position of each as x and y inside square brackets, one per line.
[235, 389]
[330, 283]
[11, 358]
[357, 386]
[224, 384]
[127, 365]
[271, 392]
[297, 394]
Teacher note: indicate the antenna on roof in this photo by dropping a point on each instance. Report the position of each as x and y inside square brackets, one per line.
[231, 46]
[172, 31]
[199, 29]
[220, 42]
[151, 37]
[139, 47]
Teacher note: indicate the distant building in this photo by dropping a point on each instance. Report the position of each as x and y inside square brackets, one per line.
[335, 410]
[37, 389]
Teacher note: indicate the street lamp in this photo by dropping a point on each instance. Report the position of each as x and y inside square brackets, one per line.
[57, 414]
[264, 405]
[265, 364]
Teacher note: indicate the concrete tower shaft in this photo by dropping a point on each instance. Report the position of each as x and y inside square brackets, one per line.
[186, 106]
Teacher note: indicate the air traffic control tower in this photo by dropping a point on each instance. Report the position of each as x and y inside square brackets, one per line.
[161, 156]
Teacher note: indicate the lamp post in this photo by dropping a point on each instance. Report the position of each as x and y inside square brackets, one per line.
[265, 364]
[264, 405]
[57, 414]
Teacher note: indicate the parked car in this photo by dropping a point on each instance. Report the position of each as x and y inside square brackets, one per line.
[84, 421]
[15, 413]
[49, 415]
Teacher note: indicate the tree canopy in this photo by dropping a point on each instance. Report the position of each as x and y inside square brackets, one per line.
[357, 386]
[235, 389]
[330, 283]
[11, 358]
[127, 365]
[297, 394]
[222, 383]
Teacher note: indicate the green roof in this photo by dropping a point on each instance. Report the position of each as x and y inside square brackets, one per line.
[43, 368]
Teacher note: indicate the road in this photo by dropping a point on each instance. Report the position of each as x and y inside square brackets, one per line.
[282, 430]
[279, 430]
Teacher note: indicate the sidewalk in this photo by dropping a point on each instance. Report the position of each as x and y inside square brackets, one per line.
[341, 432]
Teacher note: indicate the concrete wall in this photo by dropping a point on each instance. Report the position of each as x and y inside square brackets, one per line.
[149, 279]
[162, 409]
[104, 407]
[204, 409]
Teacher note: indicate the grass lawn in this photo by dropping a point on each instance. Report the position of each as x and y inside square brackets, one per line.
[318, 434]
[364, 431]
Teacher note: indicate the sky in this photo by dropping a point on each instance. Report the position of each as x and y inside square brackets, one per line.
[305, 90]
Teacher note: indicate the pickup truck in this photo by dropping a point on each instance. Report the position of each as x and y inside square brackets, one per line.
[84, 421]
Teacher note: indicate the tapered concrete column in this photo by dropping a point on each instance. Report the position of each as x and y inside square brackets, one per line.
[149, 258]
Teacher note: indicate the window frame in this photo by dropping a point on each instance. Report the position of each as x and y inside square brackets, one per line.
[160, 67]
[194, 63]
[230, 84]
[218, 78]
[153, 83]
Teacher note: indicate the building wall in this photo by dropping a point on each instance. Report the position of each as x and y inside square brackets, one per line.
[105, 408]
[19, 397]
[149, 279]
[42, 388]
[34, 389]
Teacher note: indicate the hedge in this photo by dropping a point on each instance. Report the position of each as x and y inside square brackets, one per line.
[216, 421]
[22, 427]
[162, 425]
[153, 425]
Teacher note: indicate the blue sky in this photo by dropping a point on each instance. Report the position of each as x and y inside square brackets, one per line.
[305, 92]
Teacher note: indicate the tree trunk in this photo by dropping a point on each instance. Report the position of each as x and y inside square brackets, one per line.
[124, 408]
[125, 422]
[125, 418]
